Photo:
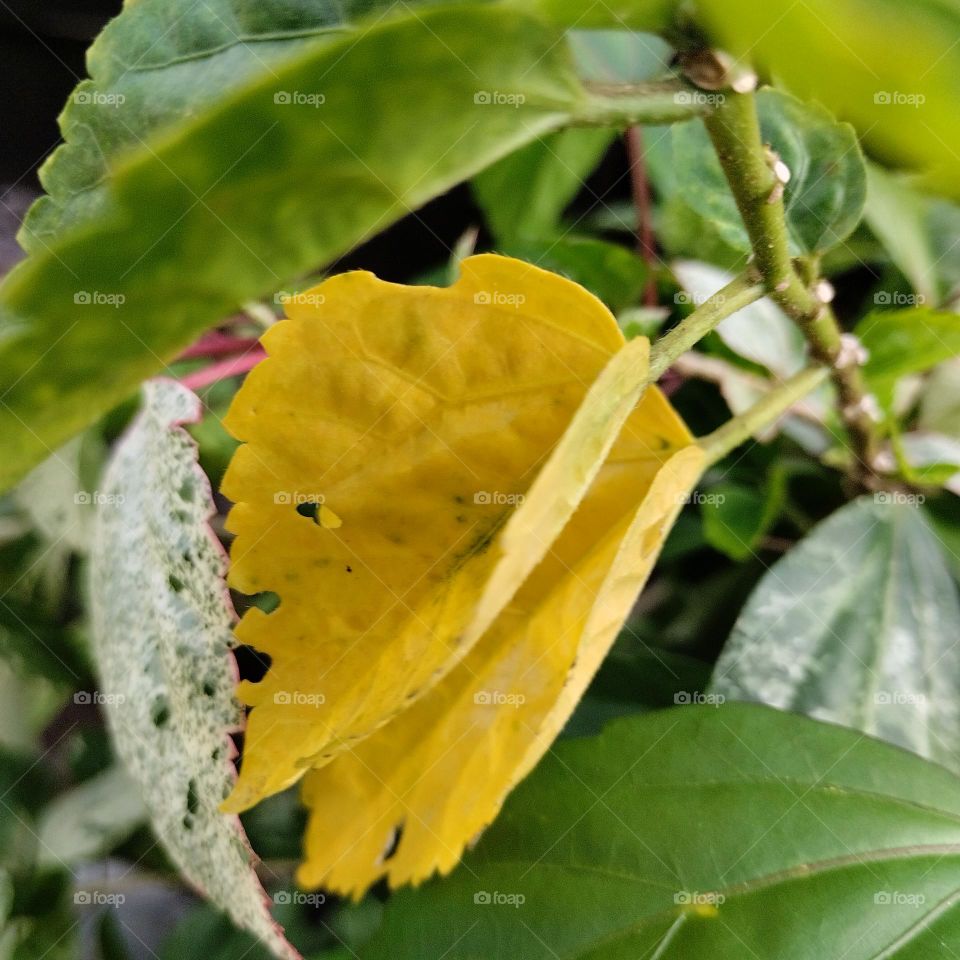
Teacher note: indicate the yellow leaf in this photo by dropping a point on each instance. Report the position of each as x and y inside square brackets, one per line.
[436, 775]
[418, 418]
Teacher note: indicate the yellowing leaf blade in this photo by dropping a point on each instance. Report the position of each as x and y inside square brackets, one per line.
[419, 417]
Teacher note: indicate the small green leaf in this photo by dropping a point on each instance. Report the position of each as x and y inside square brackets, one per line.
[857, 625]
[703, 833]
[162, 631]
[905, 341]
[827, 189]
[524, 195]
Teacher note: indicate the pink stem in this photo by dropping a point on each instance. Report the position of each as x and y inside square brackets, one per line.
[217, 344]
[231, 367]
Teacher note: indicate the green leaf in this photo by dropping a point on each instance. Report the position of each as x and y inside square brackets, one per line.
[857, 625]
[905, 341]
[248, 190]
[703, 833]
[897, 214]
[827, 190]
[940, 402]
[619, 56]
[612, 273]
[931, 459]
[896, 77]
[87, 822]
[652, 16]
[524, 195]
[637, 681]
[736, 517]
[162, 630]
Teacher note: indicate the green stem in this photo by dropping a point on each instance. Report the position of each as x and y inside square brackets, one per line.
[737, 294]
[735, 131]
[762, 414]
[624, 105]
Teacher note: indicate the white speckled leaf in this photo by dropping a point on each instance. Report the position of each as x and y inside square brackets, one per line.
[162, 625]
[857, 625]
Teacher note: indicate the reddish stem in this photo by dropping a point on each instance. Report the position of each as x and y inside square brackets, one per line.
[217, 344]
[640, 186]
[231, 367]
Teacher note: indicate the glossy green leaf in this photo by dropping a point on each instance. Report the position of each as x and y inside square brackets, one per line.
[891, 69]
[906, 341]
[703, 833]
[524, 195]
[857, 625]
[282, 174]
[825, 196]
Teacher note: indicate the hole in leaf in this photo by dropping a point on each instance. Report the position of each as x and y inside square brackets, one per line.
[393, 842]
[209, 688]
[309, 509]
[193, 800]
[176, 584]
[160, 714]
